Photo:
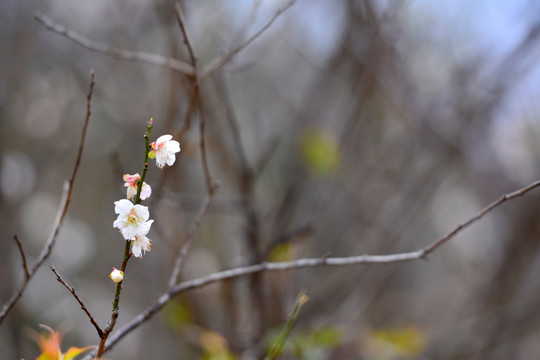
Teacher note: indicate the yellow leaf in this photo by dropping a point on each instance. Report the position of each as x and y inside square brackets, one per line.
[212, 342]
[74, 352]
[397, 342]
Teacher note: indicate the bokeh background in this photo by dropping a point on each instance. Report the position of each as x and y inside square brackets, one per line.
[348, 127]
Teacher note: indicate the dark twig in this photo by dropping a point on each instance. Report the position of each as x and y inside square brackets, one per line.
[187, 120]
[264, 157]
[25, 267]
[308, 262]
[219, 62]
[144, 57]
[72, 291]
[62, 210]
[246, 186]
[195, 79]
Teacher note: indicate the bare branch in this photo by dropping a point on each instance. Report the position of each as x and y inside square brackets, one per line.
[427, 250]
[181, 23]
[219, 62]
[25, 267]
[265, 156]
[72, 291]
[154, 59]
[308, 262]
[196, 96]
[144, 57]
[62, 210]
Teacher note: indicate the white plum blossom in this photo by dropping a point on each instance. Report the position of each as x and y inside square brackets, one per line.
[140, 243]
[131, 184]
[163, 150]
[132, 219]
[116, 275]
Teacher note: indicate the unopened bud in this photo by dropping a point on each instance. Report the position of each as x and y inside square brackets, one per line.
[116, 275]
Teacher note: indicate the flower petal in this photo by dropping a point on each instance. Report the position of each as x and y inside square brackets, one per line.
[123, 206]
[163, 139]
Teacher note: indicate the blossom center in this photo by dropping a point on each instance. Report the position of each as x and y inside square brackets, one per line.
[133, 218]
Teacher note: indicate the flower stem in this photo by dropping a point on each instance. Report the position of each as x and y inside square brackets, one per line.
[127, 256]
[145, 167]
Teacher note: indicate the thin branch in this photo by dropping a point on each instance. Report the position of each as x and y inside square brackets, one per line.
[219, 62]
[25, 267]
[230, 117]
[181, 23]
[308, 262]
[196, 94]
[518, 193]
[62, 210]
[175, 274]
[246, 186]
[91, 45]
[149, 58]
[250, 20]
[187, 119]
[72, 291]
[265, 156]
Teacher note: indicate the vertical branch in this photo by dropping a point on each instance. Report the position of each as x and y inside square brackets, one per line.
[197, 98]
[246, 186]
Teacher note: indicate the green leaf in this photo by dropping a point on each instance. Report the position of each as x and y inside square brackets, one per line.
[320, 152]
[282, 252]
[329, 336]
[408, 341]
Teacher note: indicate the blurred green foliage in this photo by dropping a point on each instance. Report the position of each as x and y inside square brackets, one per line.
[320, 152]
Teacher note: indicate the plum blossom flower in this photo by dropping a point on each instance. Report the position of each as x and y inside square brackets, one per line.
[163, 150]
[140, 243]
[132, 219]
[131, 184]
[116, 275]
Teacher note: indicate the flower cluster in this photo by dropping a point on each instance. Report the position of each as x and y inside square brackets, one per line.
[133, 219]
[131, 184]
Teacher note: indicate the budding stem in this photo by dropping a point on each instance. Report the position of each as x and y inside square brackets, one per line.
[118, 290]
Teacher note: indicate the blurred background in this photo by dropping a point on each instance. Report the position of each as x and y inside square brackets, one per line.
[348, 127]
